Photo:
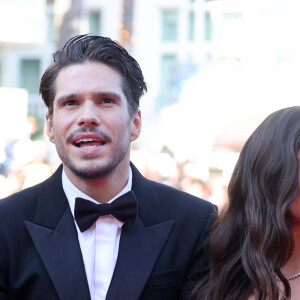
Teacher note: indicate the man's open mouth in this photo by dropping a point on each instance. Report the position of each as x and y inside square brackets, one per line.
[88, 143]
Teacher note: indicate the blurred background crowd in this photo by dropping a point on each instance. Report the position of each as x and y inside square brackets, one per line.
[214, 68]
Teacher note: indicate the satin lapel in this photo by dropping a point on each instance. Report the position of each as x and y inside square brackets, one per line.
[55, 238]
[139, 249]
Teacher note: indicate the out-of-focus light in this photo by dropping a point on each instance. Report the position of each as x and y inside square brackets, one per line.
[124, 34]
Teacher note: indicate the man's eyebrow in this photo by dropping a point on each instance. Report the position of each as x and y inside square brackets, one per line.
[107, 95]
[67, 97]
[95, 94]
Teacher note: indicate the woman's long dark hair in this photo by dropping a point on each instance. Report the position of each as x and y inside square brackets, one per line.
[252, 238]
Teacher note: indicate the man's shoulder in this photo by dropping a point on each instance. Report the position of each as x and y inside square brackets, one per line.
[19, 202]
[164, 191]
[175, 193]
[29, 196]
[190, 213]
[181, 201]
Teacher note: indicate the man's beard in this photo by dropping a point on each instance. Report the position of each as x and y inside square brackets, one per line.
[94, 170]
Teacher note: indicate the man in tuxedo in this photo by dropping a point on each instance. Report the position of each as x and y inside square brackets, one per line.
[97, 229]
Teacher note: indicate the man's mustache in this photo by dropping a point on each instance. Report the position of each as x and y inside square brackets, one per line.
[96, 131]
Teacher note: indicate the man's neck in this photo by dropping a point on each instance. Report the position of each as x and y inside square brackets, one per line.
[101, 189]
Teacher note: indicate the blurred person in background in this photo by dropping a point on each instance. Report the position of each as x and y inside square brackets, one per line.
[24, 161]
[97, 229]
[254, 246]
[37, 170]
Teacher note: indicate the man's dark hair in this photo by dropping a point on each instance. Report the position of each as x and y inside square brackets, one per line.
[90, 48]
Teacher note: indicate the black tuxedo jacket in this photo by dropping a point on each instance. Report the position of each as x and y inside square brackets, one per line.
[161, 255]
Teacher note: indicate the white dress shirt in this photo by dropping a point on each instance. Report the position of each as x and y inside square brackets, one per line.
[100, 243]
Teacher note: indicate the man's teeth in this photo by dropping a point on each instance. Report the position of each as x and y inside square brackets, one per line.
[84, 141]
[88, 143]
[88, 147]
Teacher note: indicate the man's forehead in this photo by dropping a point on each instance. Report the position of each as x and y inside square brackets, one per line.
[91, 77]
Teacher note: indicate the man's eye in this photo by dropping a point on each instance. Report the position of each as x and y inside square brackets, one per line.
[107, 100]
[70, 102]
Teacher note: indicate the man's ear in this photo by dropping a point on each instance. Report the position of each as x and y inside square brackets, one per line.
[49, 127]
[136, 125]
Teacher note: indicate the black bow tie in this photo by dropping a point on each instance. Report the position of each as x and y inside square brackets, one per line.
[87, 212]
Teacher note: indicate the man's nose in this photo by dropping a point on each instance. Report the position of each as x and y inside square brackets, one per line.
[88, 115]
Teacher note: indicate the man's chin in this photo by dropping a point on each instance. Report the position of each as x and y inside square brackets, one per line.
[92, 173]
